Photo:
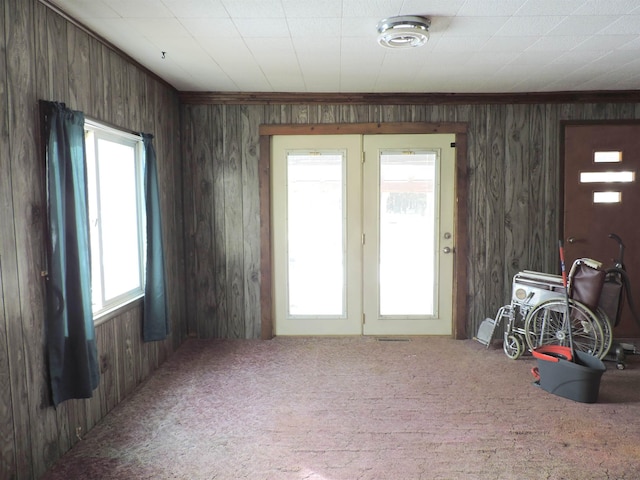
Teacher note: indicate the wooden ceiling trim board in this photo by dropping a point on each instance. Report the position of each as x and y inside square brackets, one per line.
[267, 98]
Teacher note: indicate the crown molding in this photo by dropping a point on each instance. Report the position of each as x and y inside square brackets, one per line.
[267, 98]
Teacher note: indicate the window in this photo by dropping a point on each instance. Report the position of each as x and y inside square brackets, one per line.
[115, 192]
[607, 157]
[608, 177]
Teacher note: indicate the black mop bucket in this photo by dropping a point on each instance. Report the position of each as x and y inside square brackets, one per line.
[576, 377]
[565, 371]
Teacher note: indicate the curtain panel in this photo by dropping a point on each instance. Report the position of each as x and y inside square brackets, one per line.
[155, 324]
[70, 334]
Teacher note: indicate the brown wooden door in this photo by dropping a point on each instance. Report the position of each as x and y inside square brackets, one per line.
[601, 197]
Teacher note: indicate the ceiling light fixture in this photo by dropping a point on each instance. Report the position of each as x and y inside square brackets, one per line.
[403, 31]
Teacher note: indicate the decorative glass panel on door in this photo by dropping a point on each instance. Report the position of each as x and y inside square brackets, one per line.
[407, 233]
[316, 233]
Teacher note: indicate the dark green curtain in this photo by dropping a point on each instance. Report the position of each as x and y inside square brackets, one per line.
[71, 344]
[155, 324]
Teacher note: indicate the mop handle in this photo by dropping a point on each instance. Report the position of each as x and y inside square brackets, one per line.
[566, 295]
[562, 267]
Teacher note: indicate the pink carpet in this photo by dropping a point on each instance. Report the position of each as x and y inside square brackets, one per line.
[359, 408]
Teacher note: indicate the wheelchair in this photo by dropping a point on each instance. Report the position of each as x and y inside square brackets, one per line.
[541, 313]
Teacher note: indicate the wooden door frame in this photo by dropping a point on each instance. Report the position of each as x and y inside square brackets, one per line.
[460, 305]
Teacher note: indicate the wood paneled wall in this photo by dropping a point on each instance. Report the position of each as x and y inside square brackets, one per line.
[222, 221]
[514, 196]
[44, 56]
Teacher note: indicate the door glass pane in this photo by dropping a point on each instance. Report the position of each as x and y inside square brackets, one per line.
[315, 234]
[621, 176]
[407, 232]
[607, 157]
[607, 197]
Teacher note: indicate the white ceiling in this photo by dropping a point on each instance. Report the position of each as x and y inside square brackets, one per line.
[476, 46]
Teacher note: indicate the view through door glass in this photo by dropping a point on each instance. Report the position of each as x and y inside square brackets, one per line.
[315, 223]
[406, 212]
[359, 247]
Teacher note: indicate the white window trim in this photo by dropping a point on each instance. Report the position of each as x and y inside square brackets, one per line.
[128, 298]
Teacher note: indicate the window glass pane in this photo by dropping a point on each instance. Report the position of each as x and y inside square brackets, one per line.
[607, 197]
[407, 233]
[607, 177]
[607, 157]
[94, 230]
[118, 218]
[315, 237]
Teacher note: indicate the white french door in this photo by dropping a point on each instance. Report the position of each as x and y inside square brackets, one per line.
[363, 234]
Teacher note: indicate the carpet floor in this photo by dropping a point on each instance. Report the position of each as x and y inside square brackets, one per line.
[359, 408]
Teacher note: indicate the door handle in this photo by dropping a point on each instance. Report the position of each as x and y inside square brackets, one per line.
[571, 240]
[447, 250]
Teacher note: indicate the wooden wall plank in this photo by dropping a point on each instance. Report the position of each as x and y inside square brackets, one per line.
[72, 419]
[190, 213]
[357, 114]
[249, 154]
[109, 358]
[199, 193]
[7, 439]
[140, 371]
[234, 228]
[96, 84]
[92, 409]
[134, 102]
[300, 113]
[57, 57]
[170, 170]
[479, 235]
[550, 202]
[328, 114]
[128, 327]
[79, 71]
[219, 233]
[272, 114]
[536, 241]
[145, 362]
[41, 54]
[116, 94]
[9, 318]
[516, 185]
[105, 87]
[495, 189]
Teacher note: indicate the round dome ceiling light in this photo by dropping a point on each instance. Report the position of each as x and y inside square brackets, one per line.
[403, 31]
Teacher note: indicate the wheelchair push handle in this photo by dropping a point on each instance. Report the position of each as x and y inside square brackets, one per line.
[619, 262]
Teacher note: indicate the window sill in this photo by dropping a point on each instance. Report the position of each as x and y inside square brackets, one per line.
[107, 315]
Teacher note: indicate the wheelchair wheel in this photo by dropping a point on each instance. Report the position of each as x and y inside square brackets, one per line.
[607, 331]
[513, 345]
[544, 325]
